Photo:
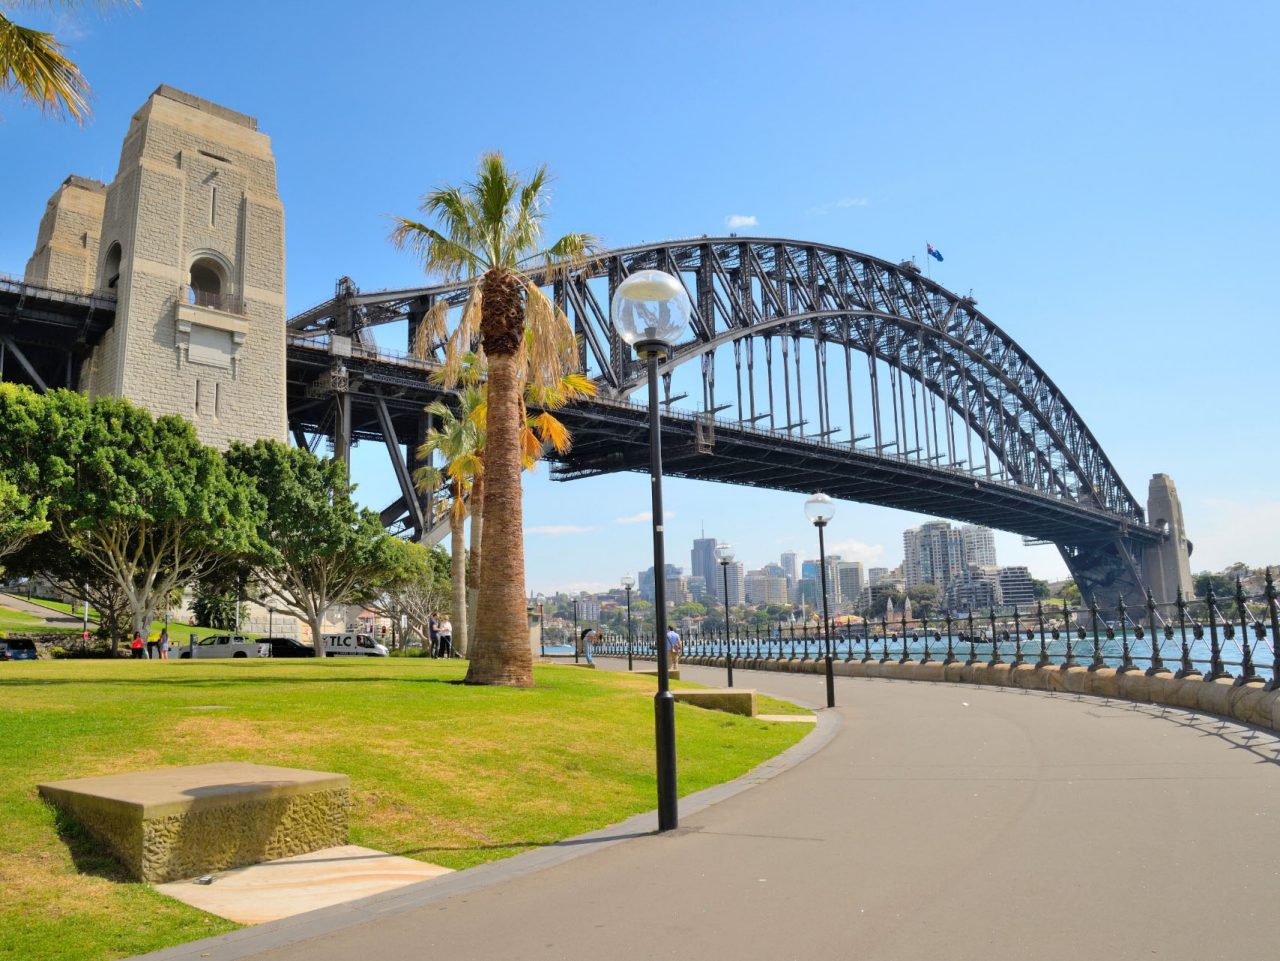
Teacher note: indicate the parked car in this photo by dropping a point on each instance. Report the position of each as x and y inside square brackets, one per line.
[18, 649]
[223, 645]
[352, 645]
[288, 647]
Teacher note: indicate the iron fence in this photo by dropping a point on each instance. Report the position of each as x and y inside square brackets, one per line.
[1215, 638]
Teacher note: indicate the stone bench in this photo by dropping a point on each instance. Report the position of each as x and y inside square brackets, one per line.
[734, 700]
[182, 822]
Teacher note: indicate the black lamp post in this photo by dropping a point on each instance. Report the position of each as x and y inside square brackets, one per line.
[650, 310]
[628, 582]
[724, 554]
[575, 631]
[820, 510]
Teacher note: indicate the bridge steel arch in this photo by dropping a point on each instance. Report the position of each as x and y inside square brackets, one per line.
[748, 291]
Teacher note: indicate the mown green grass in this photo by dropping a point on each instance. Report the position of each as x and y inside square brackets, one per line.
[446, 773]
[22, 622]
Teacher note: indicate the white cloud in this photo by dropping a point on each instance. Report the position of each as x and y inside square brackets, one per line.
[642, 518]
[558, 530]
[740, 220]
[869, 554]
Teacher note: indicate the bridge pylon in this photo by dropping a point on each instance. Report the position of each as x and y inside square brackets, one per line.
[189, 238]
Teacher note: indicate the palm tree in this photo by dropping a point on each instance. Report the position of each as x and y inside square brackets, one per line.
[33, 64]
[490, 231]
[458, 441]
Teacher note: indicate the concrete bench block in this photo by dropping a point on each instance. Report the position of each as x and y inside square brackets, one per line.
[182, 822]
[733, 700]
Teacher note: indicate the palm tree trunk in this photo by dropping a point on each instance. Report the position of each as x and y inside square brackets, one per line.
[473, 577]
[502, 654]
[458, 565]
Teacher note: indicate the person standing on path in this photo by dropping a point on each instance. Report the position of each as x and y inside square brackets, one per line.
[590, 637]
[433, 628]
[445, 633]
[673, 648]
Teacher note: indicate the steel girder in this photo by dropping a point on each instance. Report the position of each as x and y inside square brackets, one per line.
[766, 287]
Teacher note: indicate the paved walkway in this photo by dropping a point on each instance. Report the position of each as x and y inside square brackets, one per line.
[47, 614]
[939, 822]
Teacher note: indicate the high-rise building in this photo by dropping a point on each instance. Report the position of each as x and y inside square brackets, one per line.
[877, 575]
[698, 588]
[703, 557]
[979, 545]
[646, 584]
[678, 589]
[1016, 587]
[976, 589]
[789, 570]
[763, 587]
[933, 553]
[737, 585]
[809, 569]
[850, 578]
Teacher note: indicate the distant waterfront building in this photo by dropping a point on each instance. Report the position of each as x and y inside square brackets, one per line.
[678, 589]
[978, 588]
[850, 578]
[703, 557]
[646, 584]
[979, 545]
[737, 586]
[1017, 587]
[698, 588]
[933, 553]
[877, 575]
[762, 587]
[789, 570]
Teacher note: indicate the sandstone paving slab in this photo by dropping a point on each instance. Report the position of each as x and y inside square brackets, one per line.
[289, 886]
[789, 718]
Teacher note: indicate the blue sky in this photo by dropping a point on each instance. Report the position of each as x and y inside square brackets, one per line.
[1100, 175]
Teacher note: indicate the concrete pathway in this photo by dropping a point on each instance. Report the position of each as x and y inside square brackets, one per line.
[939, 822]
[47, 614]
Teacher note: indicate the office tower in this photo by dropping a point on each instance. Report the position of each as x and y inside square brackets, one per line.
[704, 561]
[1016, 587]
[933, 553]
[789, 570]
[979, 545]
[850, 578]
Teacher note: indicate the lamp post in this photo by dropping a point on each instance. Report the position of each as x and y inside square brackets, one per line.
[628, 582]
[650, 310]
[575, 630]
[820, 510]
[542, 625]
[724, 554]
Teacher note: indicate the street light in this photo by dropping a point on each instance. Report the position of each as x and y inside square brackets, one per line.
[575, 630]
[542, 625]
[650, 310]
[819, 510]
[724, 554]
[628, 582]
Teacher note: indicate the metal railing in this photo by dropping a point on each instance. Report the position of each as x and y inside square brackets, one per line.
[214, 300]
[1213, 638]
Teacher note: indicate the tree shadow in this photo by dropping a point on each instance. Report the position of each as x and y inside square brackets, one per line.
[521, 845]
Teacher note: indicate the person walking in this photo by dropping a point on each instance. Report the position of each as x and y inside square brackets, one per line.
[673, 649]
[590, 637]
[136, 647]
[164, 644]
[446, 638]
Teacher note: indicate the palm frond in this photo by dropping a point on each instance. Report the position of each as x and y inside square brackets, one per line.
[551, 348]
[33, 64]
[431, 330]
[464, 339]
[551, 430]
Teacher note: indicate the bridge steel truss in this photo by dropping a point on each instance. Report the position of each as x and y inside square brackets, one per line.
[1007, 450]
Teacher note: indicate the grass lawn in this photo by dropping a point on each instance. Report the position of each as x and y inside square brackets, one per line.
[22, 622]
[442, 772]
[18, 621]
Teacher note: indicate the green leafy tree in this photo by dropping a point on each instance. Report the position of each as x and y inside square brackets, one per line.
[317, 548]
[457, 438]
[1224, 585]
[489, 232]
[420, 589]
[1041, 588]
[34, 65]
[140, 498]
[1070, 594]
[924, 599]
[23, 513]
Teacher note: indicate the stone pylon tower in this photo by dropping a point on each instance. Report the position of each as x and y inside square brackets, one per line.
[189, 236]
[1167, 566]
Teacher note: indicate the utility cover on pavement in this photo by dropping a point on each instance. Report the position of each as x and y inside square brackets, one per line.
[305, 882]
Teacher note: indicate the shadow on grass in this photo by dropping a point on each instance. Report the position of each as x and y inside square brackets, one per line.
[172, 681]
[90, 855]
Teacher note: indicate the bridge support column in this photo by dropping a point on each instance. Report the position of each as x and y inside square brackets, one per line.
[1167, 565]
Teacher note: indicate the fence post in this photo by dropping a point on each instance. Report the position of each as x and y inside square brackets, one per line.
[1247, 673]
[951, 653]
[1275, 633]
[1126, 658]
[1157, 662]
[1216, 668]
[1097, 646]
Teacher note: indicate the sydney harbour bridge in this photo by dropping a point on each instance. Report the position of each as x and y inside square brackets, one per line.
[806, 367]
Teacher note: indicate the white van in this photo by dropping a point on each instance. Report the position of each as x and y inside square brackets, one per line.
[352, 645]
[222, 645]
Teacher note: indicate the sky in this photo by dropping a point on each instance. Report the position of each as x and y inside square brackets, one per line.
[1100, 175]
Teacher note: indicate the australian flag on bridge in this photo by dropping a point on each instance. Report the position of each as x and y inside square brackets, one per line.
[933, 252]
